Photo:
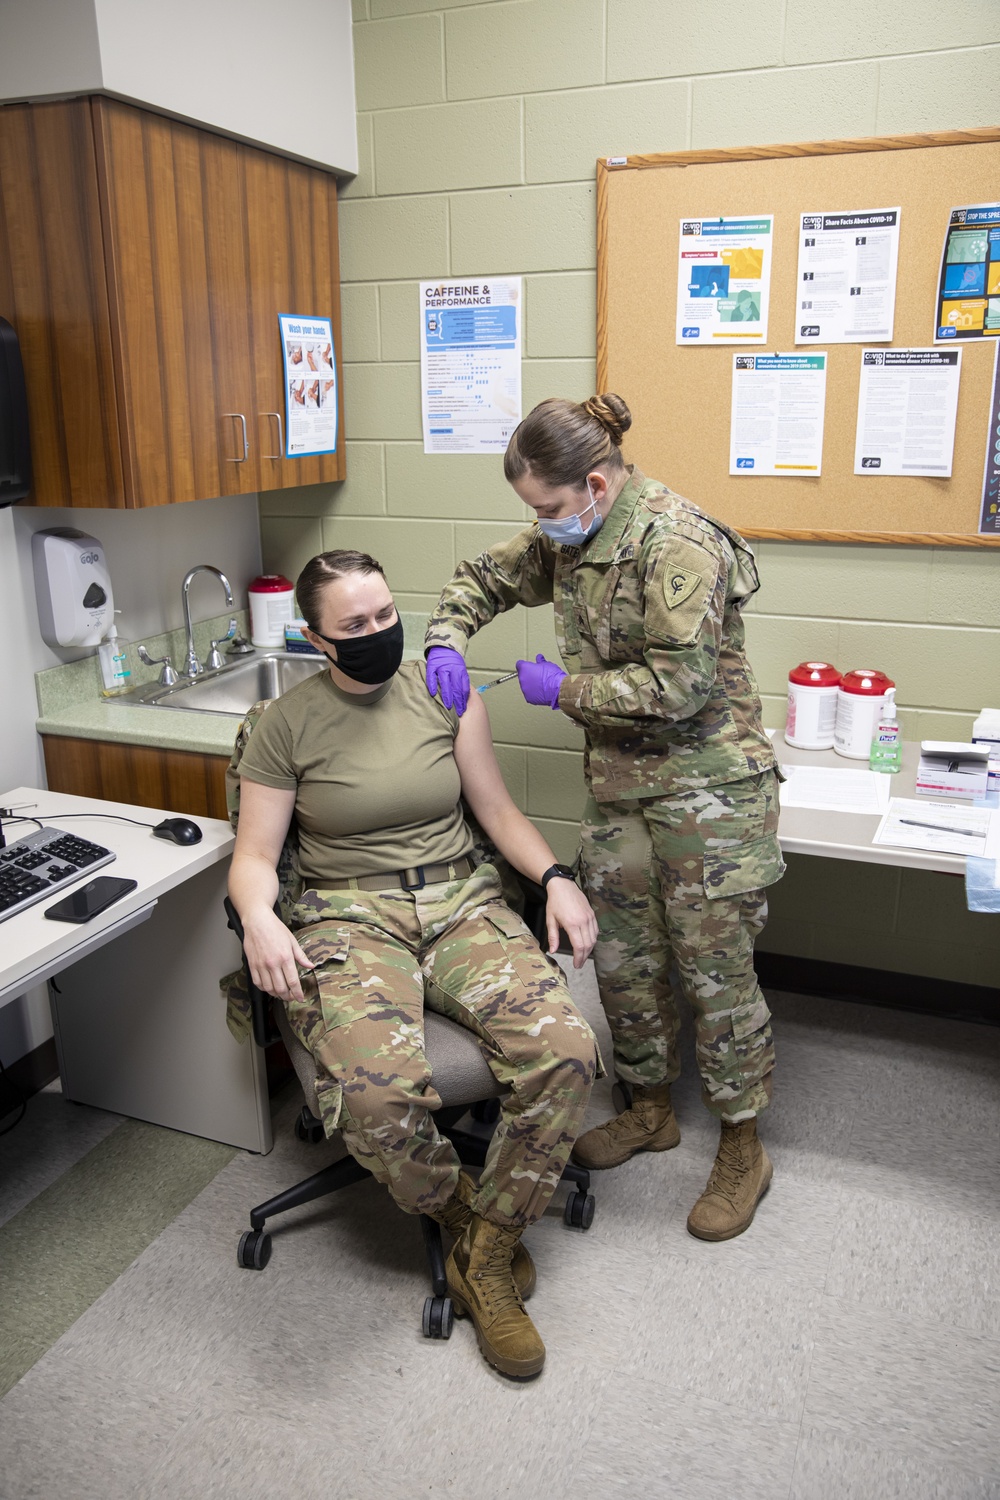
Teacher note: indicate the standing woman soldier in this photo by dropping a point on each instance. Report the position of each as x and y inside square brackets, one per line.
[680, 829]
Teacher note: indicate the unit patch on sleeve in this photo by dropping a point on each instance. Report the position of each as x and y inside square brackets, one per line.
[679, 584]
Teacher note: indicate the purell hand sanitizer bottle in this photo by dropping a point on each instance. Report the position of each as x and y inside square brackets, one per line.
[887, 751]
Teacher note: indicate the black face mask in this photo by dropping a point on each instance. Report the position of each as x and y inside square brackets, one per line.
[370, 659]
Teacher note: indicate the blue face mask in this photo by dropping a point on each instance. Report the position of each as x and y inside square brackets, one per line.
[571, 531]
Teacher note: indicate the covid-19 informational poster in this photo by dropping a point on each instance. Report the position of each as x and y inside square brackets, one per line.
[846, 284]
[724, 280]
[907, 404]
[310, 385]
[968, 296]
[779, 402]
[470, 363]
[989, 521]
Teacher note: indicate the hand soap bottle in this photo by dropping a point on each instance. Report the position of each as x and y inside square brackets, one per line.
[887, 750]
[116, 666]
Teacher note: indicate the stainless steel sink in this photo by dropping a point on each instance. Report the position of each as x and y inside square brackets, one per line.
[231, 689]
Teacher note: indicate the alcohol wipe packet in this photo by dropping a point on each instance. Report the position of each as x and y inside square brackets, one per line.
[982, 891]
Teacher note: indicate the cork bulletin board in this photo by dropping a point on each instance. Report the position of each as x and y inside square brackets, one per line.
[680, 396]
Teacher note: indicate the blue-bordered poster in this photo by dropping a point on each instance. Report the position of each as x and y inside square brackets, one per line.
[968, 298]
[724, 280]
[310, 385]
[470, 363]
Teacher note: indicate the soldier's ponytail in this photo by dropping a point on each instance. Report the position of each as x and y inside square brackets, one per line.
[561, 442]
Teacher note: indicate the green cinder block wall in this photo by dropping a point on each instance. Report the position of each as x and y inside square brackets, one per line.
[479, 124]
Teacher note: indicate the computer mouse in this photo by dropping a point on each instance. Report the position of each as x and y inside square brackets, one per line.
[178, 831]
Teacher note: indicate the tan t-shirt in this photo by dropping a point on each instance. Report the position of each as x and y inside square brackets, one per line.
[374, 774]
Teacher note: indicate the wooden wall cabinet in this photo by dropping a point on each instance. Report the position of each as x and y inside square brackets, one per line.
[143, 264]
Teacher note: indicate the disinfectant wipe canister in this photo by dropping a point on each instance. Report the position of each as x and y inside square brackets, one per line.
[812, 705]
[860, 699]
[271, 600]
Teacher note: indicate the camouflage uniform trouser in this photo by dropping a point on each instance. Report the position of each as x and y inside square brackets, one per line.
[458, 948]
[678, 887]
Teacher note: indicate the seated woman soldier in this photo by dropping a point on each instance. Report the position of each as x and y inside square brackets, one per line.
[394, 915]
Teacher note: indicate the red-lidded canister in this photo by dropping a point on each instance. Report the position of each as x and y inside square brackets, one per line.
[812, 705]
[272, 597]
[860, 699]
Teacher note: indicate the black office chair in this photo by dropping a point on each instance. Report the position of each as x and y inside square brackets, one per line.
[465, 1085]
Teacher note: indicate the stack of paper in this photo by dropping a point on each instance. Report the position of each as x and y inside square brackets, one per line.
[939, 828]
[830, 789]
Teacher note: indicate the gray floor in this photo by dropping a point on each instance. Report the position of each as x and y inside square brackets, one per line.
[848, 1346]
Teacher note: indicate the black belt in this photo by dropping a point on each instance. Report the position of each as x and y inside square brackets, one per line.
[413, 879]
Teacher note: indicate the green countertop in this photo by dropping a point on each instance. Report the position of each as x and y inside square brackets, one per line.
[70, 702]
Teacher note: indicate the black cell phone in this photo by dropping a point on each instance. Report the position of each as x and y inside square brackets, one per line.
[90, 899]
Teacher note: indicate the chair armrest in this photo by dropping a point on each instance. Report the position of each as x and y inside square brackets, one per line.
[264, 1030]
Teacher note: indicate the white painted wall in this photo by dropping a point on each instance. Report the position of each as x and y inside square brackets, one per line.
[148, 553]
[278, 76]
[48, 47]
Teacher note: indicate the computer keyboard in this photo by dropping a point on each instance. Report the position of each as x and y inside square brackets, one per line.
[33, 866]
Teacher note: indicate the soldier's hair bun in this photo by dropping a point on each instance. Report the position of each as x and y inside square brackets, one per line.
[612, 413]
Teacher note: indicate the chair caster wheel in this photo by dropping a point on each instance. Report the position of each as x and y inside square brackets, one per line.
[439, 1316]
[255, 1250]
[621, 1096]
[307, 1128]
[579, 1210]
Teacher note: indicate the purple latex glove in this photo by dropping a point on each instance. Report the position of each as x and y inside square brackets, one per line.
[540, 681]
[448, 677]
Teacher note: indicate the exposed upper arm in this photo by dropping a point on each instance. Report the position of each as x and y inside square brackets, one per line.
[265, 817]
[483, 786]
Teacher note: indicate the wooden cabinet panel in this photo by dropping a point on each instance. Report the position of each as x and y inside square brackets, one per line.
[53, 290]
[141, 774]
[293, 268]
[174, 214]
[144, 263]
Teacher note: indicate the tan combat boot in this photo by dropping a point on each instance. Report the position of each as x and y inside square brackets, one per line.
[739, 1179]
[456, 1216]
[650, 1125]
[481, 1285]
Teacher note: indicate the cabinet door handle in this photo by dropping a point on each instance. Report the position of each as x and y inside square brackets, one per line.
[246, 445]
[281, 437]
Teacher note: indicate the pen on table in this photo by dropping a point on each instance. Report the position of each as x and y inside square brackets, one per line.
[970, 833]
[496, 682]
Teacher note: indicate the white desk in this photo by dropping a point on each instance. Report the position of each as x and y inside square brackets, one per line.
[139, 1022]
[840, 835]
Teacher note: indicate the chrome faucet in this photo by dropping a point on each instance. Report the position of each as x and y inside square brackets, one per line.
[192, 666]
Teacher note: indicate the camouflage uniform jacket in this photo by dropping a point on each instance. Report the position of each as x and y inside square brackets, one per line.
[649, 628]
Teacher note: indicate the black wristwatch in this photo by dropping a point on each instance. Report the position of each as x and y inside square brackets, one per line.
[554, 870]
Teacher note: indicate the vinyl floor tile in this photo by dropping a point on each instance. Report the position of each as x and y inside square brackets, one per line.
[834, 1466]
[53, 1135]
[931, 1265]
[110, 1432]
[949, 1093]
[906, 1386]
[732, 1336]
[222, 1455]
[922, 1162]
[686, 1447]
[484, 1435]
[181, 1322]
[589, 1295]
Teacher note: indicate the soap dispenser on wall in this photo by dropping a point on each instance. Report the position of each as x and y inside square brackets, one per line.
[72, 586]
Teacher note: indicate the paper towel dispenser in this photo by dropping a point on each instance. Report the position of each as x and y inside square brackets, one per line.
[15, 448]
